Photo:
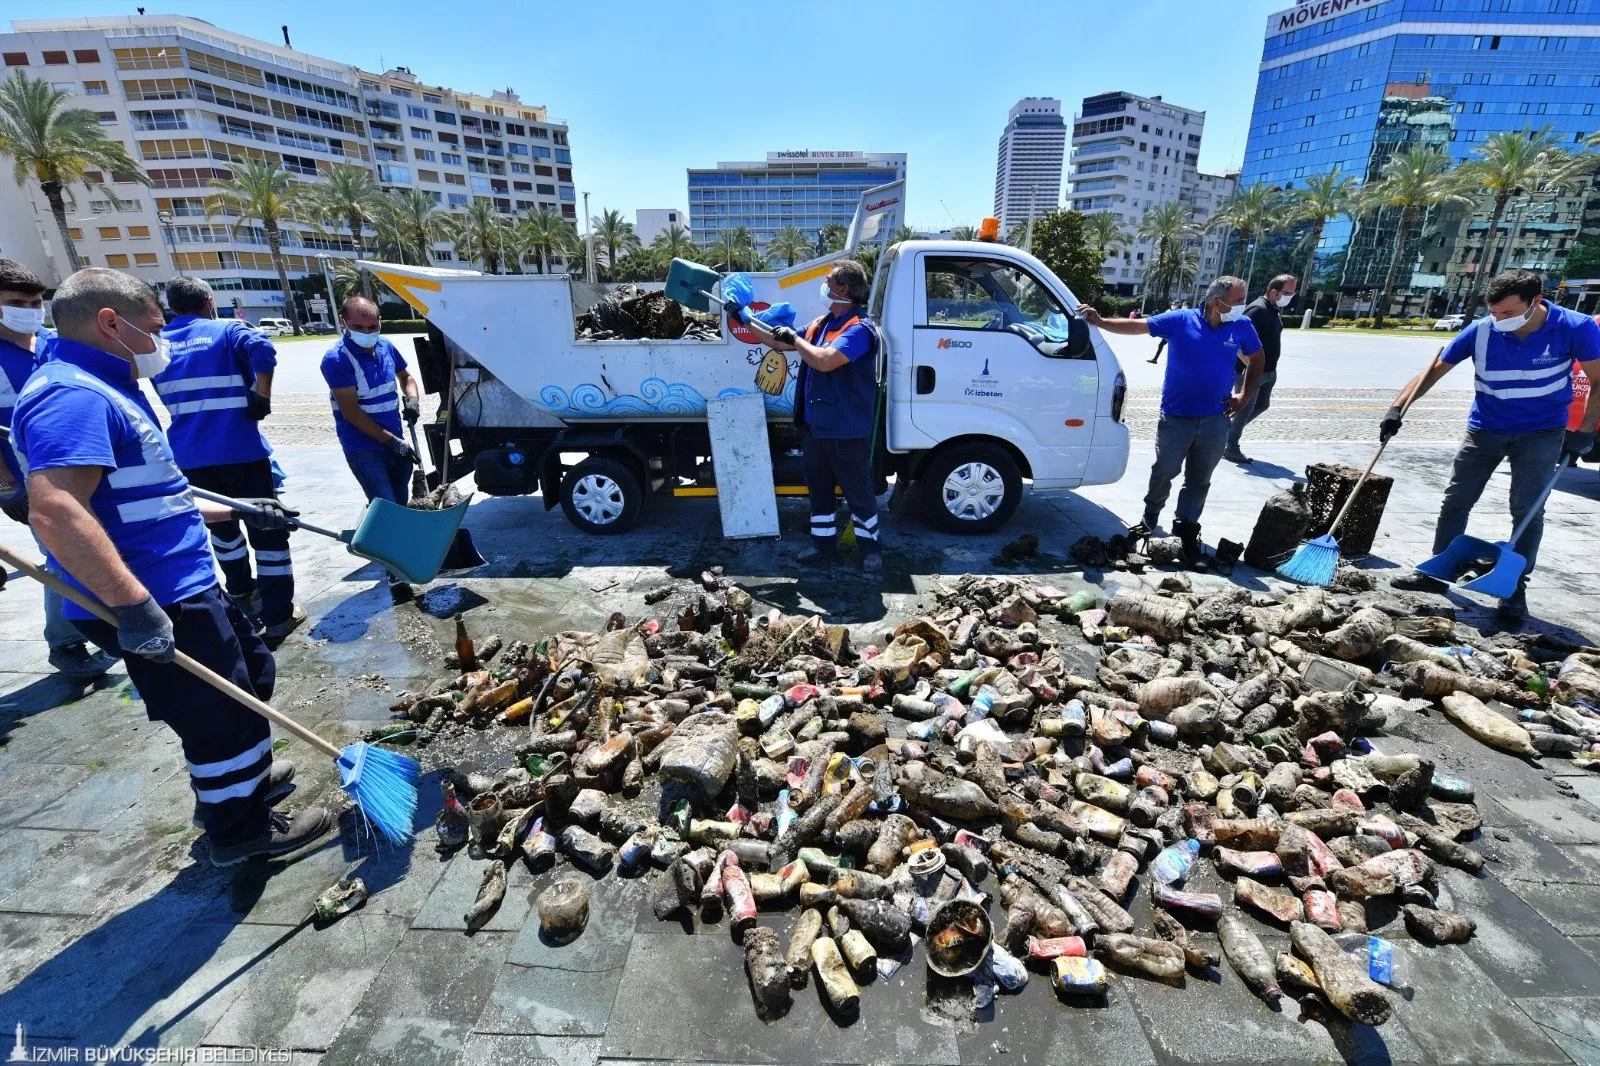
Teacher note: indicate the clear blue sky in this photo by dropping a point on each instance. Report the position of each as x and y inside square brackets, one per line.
[653, 88]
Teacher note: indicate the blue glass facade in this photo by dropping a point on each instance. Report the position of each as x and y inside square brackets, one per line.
[764, 199]
[1343, 83]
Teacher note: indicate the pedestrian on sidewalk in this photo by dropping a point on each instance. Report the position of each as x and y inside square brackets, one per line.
[1522, 355]
[118, 522]
[218, 389]
[1161, 345]
[370, 389]
[23, 340]
[1266, 315]
[1198, 394]
[835, 401]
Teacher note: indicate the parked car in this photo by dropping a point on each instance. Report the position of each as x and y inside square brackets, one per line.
[318, 328]
[275, 327]
[1450, 324]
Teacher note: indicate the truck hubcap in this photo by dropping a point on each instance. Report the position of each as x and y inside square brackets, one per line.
[974, 491]
[598, 499]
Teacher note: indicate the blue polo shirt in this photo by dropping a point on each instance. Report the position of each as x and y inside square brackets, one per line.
[16, 364]
[1524, 386]
[84, 408]
[372, 373]
[1200, 360]
[214, 363]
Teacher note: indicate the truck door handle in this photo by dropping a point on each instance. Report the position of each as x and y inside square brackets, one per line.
[924, 380]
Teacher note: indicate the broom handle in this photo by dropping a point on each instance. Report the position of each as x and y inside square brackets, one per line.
[240, 505]
[1533, 512]
[200, 670]
[1382, 444]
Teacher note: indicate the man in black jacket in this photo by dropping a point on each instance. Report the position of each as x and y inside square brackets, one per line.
[1264, 313]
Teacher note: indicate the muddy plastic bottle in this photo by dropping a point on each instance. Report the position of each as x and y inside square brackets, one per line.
[1377, 956]
[1078, 976]
[1172, 865]
[834, 976]
[1248, 957]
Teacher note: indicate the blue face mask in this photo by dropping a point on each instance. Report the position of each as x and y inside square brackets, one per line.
[368, 341]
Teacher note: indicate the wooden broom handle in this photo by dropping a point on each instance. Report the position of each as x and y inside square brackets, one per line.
[198, 669]
[1362, 480]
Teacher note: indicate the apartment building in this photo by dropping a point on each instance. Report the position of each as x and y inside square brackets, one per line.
[1131, 153]
[1027, 169]
[188, 99]
[804, 188]
[1210, 192]
[650, 222]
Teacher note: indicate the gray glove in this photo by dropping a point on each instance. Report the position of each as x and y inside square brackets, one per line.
[266, 513]
[734, 310]
[1390, 424]
[14, 502]
[403, 450]
[143, 628]
[256, 406]
[412, 410]
[1578, 444]
[783, 335]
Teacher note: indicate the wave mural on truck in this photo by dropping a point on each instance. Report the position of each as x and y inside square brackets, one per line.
[656, 397]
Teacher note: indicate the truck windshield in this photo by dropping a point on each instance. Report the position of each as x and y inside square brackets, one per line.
[974, 293]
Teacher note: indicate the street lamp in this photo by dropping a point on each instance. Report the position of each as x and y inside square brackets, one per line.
[165, 218]
[327, 279]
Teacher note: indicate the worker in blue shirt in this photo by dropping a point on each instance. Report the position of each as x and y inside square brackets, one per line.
[217, 389]
[1522, 355]
[119, 523]
[1198, 395]
[834, 404]
[23, 339]
[371, 390]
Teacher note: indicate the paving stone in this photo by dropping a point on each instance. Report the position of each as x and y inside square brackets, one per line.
[1588, 789]
[1527, 856]
[1561, 821]
[280, 892]
[1573, 909]
[111, 872]
[27, 941]
[1521, 952]
[1459, 1014]
[23, 850]
[32, 787]
[490, 1049]
[302, 994]
[605, 942]
[1574, 1025]
[686, 997]
[550, 1002]
[421, 1007]
[457, 887]
[1037, 1026]
[100, 800]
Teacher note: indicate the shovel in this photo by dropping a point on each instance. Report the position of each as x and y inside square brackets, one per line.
[690, 284]
[463, 554]
[1501, 581]
[412, 543]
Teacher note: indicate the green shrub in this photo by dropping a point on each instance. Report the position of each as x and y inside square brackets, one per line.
[404, 325]
[1116, 306]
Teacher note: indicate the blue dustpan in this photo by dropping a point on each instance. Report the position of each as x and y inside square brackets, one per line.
[1502, 580]
[690, 284]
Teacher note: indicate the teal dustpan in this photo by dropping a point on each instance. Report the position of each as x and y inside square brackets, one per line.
[1502, 579]
[409, 541]
[690, 284]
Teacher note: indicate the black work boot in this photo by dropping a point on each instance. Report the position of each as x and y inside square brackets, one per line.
[284, 833]
[1194, 552]
[1513, 610]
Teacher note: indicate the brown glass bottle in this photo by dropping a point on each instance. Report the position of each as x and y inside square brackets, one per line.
[465, 652]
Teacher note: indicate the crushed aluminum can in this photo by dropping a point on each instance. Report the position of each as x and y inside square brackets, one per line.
[345, 895]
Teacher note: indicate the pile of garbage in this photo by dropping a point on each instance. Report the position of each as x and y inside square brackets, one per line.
[630, 313]
[1017, 744]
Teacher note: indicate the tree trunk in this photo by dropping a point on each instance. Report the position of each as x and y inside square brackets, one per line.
[1408, 217]
[275, 247]
[1243, 234]
[1491, 248]
[354, 222]
[58, 210]
[1311, 264]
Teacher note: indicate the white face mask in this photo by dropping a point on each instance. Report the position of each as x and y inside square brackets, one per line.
[365, 340]
[22, 319]
[1510, 325]
[1286, 299]
[149, 364]
[1233, 313]
[830, 298]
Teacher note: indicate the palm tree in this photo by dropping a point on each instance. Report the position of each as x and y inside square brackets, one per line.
[350, 196]
[1167, 227]
[790, 245]
[1321, 200]
[271, 195]
[410, 222]
[833, 236]
[903, 233]
[1413, 180]
[614, 234]
[964, 233]
[1104, 233]
[480, 235]
[1252, 213]
[539, 234]
[1509, 164]
[58, 146]
[674, 242]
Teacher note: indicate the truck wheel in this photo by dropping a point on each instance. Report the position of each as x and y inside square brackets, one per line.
[601, 495]
[971, 488]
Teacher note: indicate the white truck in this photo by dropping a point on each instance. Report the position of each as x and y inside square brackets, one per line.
[987, 379]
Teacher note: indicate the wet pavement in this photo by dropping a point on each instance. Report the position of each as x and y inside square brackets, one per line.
[115, 930]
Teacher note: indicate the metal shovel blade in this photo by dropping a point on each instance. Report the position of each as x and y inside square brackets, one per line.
[410, 542]
[1500, 582]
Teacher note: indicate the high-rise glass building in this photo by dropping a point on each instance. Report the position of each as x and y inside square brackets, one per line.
[1027, 168]
[1345, 83]
[807, 189]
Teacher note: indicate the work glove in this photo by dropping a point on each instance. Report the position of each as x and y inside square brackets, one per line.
[14, 502]
[403, 450]
[1578, 444]
[1390, 424]
[256, 406]
[265, 513]
[734, 310]
[144, 629]
[413, 410]
[783, 335]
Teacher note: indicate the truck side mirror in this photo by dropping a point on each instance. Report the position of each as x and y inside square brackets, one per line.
[1080, 345]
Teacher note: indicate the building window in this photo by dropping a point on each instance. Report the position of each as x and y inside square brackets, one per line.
[394, 175]
[144, 259]
[458, 199]
[1477, 108]
[1305, 146]
[1316, 94]
[450, 158]
[138, 233]
[395, 90]
[1266, 153]
[94, 88]
[1344, 138]
[1549, 79]
[116, 259]
[445, 117]
[419, 134]
[1272, 127]
[427, 155]
[1523, 110]
[1311, 120]
[55, 59]
[16, 59]
[413, 111]
[428, 175]
[454, 179]
[85, 55]
[521, 168]
[1277, 102]
[563, 156]
[546, 190]
[109, 233]
[1533, 79]
[1299, 172]
[1540, 111]
[1349, 112]
[1362, 50]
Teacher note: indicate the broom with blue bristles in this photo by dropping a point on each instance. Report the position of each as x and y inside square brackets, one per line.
[382, 783]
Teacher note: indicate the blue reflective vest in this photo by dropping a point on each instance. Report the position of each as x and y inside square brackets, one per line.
[143, 501]
[214, 363]
[838, 405]
[373, 375]
[16, 364]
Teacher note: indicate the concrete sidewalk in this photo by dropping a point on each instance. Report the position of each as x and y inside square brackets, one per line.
[114, 929]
